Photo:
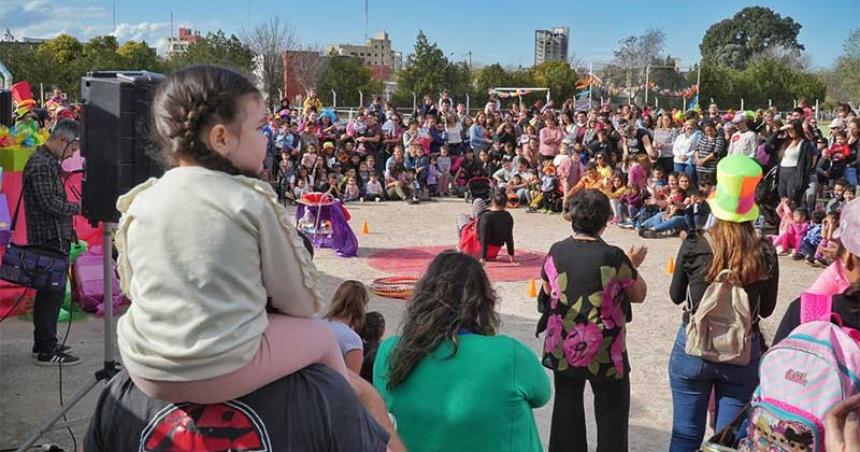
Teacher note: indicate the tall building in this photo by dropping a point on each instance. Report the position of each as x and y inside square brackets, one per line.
[551, 45]
[179, 44]
[377, 51]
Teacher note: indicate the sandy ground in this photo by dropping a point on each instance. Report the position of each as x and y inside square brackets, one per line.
[29, 393]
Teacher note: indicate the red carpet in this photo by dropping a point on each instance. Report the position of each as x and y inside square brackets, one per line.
[414, 261]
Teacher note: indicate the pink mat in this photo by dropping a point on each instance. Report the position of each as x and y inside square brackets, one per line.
[414, 261]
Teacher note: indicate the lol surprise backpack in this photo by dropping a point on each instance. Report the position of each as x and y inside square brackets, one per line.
[802, 378]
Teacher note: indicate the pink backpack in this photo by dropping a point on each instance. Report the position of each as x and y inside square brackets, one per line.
[803, 377]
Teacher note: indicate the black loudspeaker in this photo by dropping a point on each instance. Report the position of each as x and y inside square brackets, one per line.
[7, 118]
[116, 143]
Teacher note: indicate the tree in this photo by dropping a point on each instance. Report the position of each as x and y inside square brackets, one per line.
[558, 77]
[269, 40]
[138, 54]
[733, 42]
[307, 66]
[346, 75]
[425, 69]
[216, 48]
[62, 49]
[844, 80]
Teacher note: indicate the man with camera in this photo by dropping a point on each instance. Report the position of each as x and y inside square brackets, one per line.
[49, 226]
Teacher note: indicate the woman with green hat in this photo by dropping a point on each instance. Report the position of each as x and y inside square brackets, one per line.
[731, 244]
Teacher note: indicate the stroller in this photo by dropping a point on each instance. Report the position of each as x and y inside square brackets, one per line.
[479, 187]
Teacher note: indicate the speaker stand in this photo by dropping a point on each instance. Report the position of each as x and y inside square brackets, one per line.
[109, 365]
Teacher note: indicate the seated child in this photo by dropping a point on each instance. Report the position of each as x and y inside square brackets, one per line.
[514, 189]
[433, 176]
[198, 330]
[541, 197]
[351, 192]
[371, 334]
[792, 226]
[697, 210]
[373, 190]
[810, 241]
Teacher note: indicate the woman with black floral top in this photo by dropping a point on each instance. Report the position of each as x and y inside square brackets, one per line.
[590, 286]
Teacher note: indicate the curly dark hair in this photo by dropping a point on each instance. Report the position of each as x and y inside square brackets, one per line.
[453, 295]
[189, 101]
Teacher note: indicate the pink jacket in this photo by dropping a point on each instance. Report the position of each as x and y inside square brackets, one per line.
[831, 281]
[547, 134]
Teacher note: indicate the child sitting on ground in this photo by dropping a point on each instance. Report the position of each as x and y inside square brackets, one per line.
[792, 226]
[371, 334]
[198, 330]
[373, 190]
[351, 192]
[810, 241]
[544, 199]
[697, 210]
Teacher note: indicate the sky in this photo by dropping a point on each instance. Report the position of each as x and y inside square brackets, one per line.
[493, 31]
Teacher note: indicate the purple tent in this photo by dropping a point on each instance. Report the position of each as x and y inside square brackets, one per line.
[340, 238]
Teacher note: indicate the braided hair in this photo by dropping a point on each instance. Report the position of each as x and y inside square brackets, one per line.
[189, 101]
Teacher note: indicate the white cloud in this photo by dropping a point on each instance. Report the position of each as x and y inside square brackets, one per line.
[150, 32]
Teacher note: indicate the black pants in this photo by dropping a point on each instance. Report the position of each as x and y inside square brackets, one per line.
[788, 182]
[611, 410]
[46, 308]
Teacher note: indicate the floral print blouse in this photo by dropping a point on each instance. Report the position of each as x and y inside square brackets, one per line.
[585, 331]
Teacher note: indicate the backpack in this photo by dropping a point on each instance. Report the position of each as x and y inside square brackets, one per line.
[802, 378]
[720, 330]
[761, 154]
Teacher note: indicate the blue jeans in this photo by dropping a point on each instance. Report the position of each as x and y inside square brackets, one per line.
[692, 379]
[688, 169]
[850, 175]
[659, 224]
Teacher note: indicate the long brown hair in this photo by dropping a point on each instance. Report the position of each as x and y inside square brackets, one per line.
[349, 303]
[736, 247]
[453, 295]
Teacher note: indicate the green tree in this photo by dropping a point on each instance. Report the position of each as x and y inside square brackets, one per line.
[346, 75]
[62, 49]
[844, 80]
[138, 55]
[733, 42]
[425, 71]
[216, 48]
[558, 76]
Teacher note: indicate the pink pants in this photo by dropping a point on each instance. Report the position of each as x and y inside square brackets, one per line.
[788, 240]
[442, 182]
[288, 345]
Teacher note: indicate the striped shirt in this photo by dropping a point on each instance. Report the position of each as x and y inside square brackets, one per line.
[709, 146]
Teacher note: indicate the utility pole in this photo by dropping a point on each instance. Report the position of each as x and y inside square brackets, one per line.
[365, 20]
[171, 23]
[470, 60]
[114, 18]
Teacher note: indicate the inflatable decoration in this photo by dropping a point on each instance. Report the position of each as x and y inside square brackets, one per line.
[326, 222]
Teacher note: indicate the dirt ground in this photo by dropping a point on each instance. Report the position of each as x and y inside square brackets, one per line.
[28, 393]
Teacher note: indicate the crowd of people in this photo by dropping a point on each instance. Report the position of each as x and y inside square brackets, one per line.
[251, 356]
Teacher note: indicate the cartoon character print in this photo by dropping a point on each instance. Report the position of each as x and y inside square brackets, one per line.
[768, 433]
[231, 426]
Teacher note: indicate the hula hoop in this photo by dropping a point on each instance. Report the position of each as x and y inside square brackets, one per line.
[394, 286]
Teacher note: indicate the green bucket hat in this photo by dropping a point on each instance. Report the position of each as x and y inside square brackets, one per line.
[734, 198]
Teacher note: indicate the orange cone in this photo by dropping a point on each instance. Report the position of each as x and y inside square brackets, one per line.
[365, 229]
[532, 288]
[670, 266]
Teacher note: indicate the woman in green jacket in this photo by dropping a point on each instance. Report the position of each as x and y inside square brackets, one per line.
[449, 380]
